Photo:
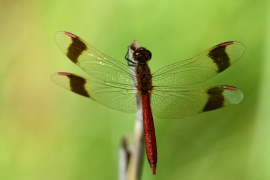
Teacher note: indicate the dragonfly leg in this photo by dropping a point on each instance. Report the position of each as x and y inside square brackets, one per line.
[130, 61]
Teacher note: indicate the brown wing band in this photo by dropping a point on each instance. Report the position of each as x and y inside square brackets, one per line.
[75, 49]
[220, 57]
[77, 85]
[215, 99]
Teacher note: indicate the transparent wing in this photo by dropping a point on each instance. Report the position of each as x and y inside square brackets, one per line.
[120, 97]
[201, 67]
[182, 102]
[96, 64]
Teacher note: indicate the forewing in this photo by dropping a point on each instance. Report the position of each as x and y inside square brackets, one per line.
[96, 64]
[181, 102]
[201, 67]
[120, 97]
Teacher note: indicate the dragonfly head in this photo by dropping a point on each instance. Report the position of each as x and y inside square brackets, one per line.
[142, 55]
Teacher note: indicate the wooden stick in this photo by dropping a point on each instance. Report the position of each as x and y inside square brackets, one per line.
[131, 160]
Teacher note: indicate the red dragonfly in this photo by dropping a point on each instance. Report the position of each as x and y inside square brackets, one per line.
[164, 93]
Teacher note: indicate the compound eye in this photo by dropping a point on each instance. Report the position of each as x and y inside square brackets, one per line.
[136, 55]
[141, 54]
[148, 55]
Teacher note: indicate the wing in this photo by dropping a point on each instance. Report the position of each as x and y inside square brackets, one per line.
[182, 102]
[120, 97]
[201, 67]
[96, 64]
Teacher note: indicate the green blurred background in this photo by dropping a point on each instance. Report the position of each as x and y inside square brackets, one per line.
[47, 132]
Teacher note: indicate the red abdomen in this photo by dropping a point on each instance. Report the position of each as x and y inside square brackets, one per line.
[149, 132]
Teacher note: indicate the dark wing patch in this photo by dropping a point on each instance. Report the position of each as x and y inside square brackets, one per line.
[220, 57]
[76, 48]
[77, 84]
[215, 99]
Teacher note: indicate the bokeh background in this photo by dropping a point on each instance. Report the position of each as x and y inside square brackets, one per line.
[47, 132]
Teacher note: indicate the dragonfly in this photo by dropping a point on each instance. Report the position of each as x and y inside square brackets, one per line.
[166, 93]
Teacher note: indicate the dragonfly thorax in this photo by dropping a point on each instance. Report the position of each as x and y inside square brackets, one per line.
[142, 55]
